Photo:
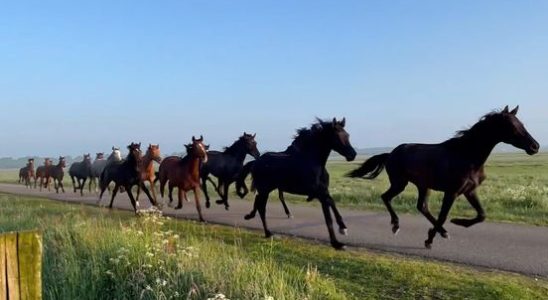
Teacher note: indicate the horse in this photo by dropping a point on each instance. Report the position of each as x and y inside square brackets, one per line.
[147, 173]
[301, 170]
[454, 167]
[100, 163]
[56, 172]
[27, 172]
[42, 172]
[124, 173]
[184, 173]
[81, 171]
[226, 166]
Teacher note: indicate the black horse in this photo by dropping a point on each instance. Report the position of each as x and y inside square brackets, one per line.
[125, 174]
[81, 171]
[301, 170]
[454, 167]
[226, 166]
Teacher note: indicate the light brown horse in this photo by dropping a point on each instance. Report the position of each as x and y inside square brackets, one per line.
[26, 173]
[57, 173]
[184, 173]
[42, 172]
[146, 171]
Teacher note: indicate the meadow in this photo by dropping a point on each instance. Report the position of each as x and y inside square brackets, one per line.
[516, 190]
[96, 253]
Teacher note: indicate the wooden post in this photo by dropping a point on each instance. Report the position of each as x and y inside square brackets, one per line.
[21, 265]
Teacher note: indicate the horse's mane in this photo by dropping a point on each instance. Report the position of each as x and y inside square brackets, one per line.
[306, 135]
[476, 130]
[231, 147]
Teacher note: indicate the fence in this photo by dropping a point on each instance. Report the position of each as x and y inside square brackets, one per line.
[21, 265]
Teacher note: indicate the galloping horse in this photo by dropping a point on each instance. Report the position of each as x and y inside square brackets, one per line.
[81, 170]
[147, 173]
[42, 172]
[124, 174]
[100, 163]
[301, 170]
[184, 173]
[56, 172]
[454, 167]
[27, 172]
[227, 165]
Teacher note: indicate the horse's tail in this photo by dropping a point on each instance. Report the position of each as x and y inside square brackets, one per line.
[371, 168]
[241, 188]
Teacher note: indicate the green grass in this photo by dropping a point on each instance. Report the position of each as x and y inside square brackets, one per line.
[515, 190]
[92, 253]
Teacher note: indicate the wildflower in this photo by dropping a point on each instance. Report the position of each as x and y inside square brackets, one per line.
[148, 288]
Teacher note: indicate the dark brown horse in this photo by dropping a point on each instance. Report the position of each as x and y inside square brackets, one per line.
[454, 167]
[124, 173]
[57, 172]
[27, 172]
[184, 173]
[42, 172]
[81, 171]
[301, 170]
[147, 173]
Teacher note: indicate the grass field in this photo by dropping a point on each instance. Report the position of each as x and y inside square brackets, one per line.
[93, 253]
[516, 190]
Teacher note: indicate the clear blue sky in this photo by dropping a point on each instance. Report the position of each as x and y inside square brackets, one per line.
[80, 77]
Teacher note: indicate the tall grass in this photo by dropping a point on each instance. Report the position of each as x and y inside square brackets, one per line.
[96, 253]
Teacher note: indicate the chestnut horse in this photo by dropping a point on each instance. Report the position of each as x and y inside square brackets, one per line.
[147, 173]
[57, 173]
[184, 173]
[42, 172]
[27, 172]
[454, 167]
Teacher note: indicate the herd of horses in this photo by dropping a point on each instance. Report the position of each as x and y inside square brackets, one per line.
[454, 167]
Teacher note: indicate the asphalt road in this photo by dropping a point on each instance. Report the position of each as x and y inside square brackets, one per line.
[509, 247]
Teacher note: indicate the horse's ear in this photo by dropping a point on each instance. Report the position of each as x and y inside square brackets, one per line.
[245, 133]
[505, 110]
[201, 138]
[193, 139]
[515, 110]
[343, 122]
[334, 121]
[254, 135]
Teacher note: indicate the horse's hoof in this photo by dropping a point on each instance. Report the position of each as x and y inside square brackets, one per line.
[249, 217]
[268, 234]
[343, 231]
[208, 205]
[395, 230]
[290, 216]
[178, 207]
[427, 244]
[338, 245]
[226, 208]
[202, 221]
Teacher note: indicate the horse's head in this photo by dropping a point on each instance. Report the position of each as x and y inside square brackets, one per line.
[87, 158]
[154, 152]
[47, 162]
[513, 132]
[135, 152]
[62, 163]
[30, 162]
[250, 144]
[198, 149]
[339, 138]
[99, 155]
[116, 153]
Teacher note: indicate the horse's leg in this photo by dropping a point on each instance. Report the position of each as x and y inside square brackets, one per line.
[170, 193]
[261, 200]
[224, 196]
[89, 184]
[342, 227]
[422, 206]
[147, 192]
[73, 183]
[393, 191]
[130, 195]
[473, 199]
[329, 222]
[41, 183]
[181, 195]
[253, 212]
[153, 190]
[114, 192]
[448, 200]
[82, 186]
[204, 188]
[197, 200]
[282, 199]
[221, 187]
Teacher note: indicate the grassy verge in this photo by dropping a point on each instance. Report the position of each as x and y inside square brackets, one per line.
[92, 253]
